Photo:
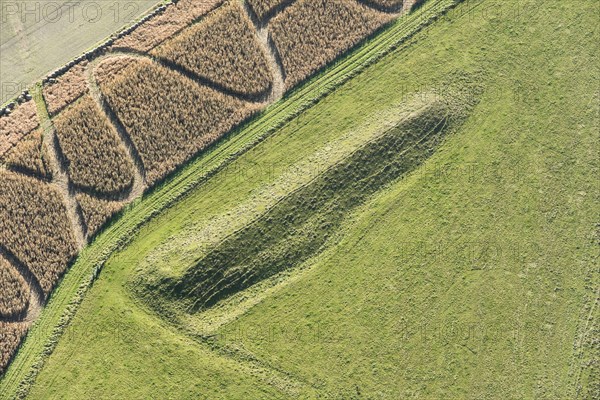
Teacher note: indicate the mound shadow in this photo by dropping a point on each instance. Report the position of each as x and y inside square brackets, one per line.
[298, 227]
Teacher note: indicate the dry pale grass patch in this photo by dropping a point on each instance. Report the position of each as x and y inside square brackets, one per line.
[34, 226]
[312, 33]
[68, 88]
[222, 48]
[19, 123]
[96, 158]
[14, 293]
[169, 117]
[162, 26]
[96, 212]
[11, 335]
[30, 156]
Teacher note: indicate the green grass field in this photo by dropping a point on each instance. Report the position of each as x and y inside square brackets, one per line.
[37, 37]
[469, 272]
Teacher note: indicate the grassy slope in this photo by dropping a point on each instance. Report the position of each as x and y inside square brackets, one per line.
[45, 333]
[36, 42]
[410, 303]
[467, 281]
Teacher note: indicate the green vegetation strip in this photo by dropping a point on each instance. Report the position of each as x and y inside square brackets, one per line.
[64, 302]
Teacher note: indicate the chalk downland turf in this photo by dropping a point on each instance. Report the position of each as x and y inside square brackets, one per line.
[298, 227]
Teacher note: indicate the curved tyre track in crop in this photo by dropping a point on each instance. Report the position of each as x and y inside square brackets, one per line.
[269, 15]
[274, 93]
[139, 173]
[36, 294]
[60, 176]
[263, 22]
[271, 54]
[261, 98]
[399, 9]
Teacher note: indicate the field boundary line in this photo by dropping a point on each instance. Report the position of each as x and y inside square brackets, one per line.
[256, 98]
[64, 301]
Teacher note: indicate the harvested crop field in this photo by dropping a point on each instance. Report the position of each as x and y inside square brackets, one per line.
[38, 37]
